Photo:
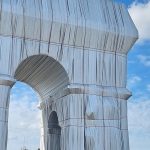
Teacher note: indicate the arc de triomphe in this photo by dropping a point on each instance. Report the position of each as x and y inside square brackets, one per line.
[74, 54]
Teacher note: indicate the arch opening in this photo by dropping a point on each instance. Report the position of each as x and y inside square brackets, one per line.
[53, 121]
[54, 132]
[24, 118]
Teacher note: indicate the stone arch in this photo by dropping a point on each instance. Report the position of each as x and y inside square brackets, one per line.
[82, 48]
[48, 78]
[53, 120]
[43, 73]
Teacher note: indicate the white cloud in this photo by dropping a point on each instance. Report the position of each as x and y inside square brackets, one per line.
[133, 80]
[139, 114]
[24, 119]
[139, 125]
[140, 13]
[148, 87]
[145, 60]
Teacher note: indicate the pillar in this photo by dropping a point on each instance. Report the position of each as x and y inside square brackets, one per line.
[6, 83]
[70, 110]
[124, 126]
[42, 131]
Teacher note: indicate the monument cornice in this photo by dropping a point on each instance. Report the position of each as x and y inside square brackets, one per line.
[7, 80]
[97, 30]
[97, 90]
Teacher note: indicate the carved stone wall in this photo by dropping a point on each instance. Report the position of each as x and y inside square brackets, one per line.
[74, 54]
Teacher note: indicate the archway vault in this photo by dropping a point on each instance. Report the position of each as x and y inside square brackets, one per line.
[43, 73]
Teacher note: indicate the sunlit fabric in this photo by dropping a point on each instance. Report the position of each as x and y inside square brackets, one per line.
[74, 54]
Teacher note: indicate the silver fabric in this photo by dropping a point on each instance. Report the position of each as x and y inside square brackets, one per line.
[74, 54]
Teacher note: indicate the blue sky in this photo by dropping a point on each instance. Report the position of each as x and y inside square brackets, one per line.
[23, 106]
[129, 2]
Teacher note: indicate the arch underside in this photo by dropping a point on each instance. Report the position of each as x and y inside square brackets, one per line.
[42, 73]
